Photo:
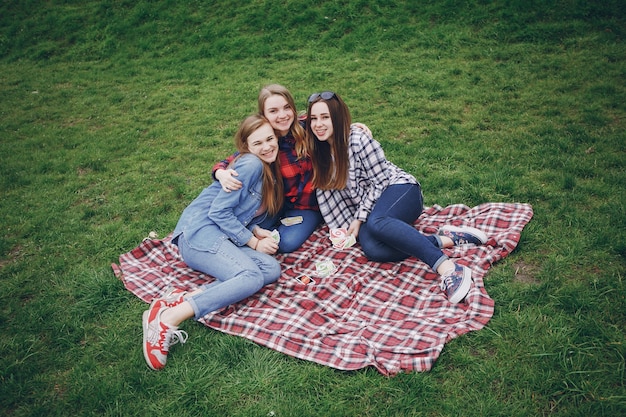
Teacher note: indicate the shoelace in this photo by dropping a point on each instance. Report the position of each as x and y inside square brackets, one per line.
[446, 280]
[173, 296]
[461, 240]
[175, 336]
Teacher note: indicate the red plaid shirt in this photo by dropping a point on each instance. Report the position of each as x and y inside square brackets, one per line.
[297, 175]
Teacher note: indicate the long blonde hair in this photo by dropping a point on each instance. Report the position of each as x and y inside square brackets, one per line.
[296, 130]
[272, 193]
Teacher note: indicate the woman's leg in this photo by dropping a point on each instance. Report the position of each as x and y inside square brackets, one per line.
[389, 234]
[240, 272]
[292, 237]
[271, 222]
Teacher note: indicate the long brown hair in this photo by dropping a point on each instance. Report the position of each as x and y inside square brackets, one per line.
[272, 193]
[331, 162]
[296, 130]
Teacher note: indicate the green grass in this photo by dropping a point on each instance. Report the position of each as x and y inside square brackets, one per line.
[113, 112]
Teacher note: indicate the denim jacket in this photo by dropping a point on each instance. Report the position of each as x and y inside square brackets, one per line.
[216, 215]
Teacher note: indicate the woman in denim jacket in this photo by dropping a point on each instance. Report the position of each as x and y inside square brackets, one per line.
[218, 235]
[277, 104]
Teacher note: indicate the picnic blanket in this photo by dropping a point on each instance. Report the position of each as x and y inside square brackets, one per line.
[392, 316]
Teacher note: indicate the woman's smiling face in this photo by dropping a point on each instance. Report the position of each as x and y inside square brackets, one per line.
[264, 143]
[281, 115]
[321, 123]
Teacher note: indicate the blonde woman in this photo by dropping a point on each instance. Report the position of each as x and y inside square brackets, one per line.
[277, 104]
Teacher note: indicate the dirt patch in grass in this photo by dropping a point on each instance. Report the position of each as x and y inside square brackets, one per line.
[525, 273]
[15, 253]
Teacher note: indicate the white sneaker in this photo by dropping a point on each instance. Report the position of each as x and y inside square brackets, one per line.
[456, 283]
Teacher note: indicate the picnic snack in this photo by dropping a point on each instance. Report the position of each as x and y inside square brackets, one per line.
[290, 221]
[341, 239]
[324, 268]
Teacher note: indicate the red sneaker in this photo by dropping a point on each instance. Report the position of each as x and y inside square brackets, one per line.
[172, 297]
[158, 336]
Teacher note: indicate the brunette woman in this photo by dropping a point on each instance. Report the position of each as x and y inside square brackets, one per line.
[377, 202]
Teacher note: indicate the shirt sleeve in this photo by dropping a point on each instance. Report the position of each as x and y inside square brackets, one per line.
[222, 210]
[372, 170]
[223, 164]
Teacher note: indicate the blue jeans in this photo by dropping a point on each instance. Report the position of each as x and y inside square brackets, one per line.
[292, 237]
[389, 234]
[239, 272]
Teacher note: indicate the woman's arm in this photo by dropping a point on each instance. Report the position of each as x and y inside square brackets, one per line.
[369, 155]
[222, 211]
[226, 175]
[264, 241]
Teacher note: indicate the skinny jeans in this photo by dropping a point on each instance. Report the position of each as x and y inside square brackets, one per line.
[239, 271]
[388, 235]
[292, 237]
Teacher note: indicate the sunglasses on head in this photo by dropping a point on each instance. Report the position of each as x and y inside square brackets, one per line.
[326, 95]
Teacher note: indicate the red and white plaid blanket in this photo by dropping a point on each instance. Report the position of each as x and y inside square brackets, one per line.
[392, 316]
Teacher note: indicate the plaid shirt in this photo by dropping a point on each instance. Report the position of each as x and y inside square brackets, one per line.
[369, 175]
[297, 175]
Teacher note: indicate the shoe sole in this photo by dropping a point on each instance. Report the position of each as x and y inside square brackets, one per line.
[144, 318]
[476, 232]
[464, 288]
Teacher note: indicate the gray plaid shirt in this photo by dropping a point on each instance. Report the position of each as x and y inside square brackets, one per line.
[369, 175]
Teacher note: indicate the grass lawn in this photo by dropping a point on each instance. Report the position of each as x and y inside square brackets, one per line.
[113, 112]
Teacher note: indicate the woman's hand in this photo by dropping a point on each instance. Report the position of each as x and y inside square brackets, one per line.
[267, 245]
[261, 233]
[363, 128]
[354, 228]
[227, 180]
